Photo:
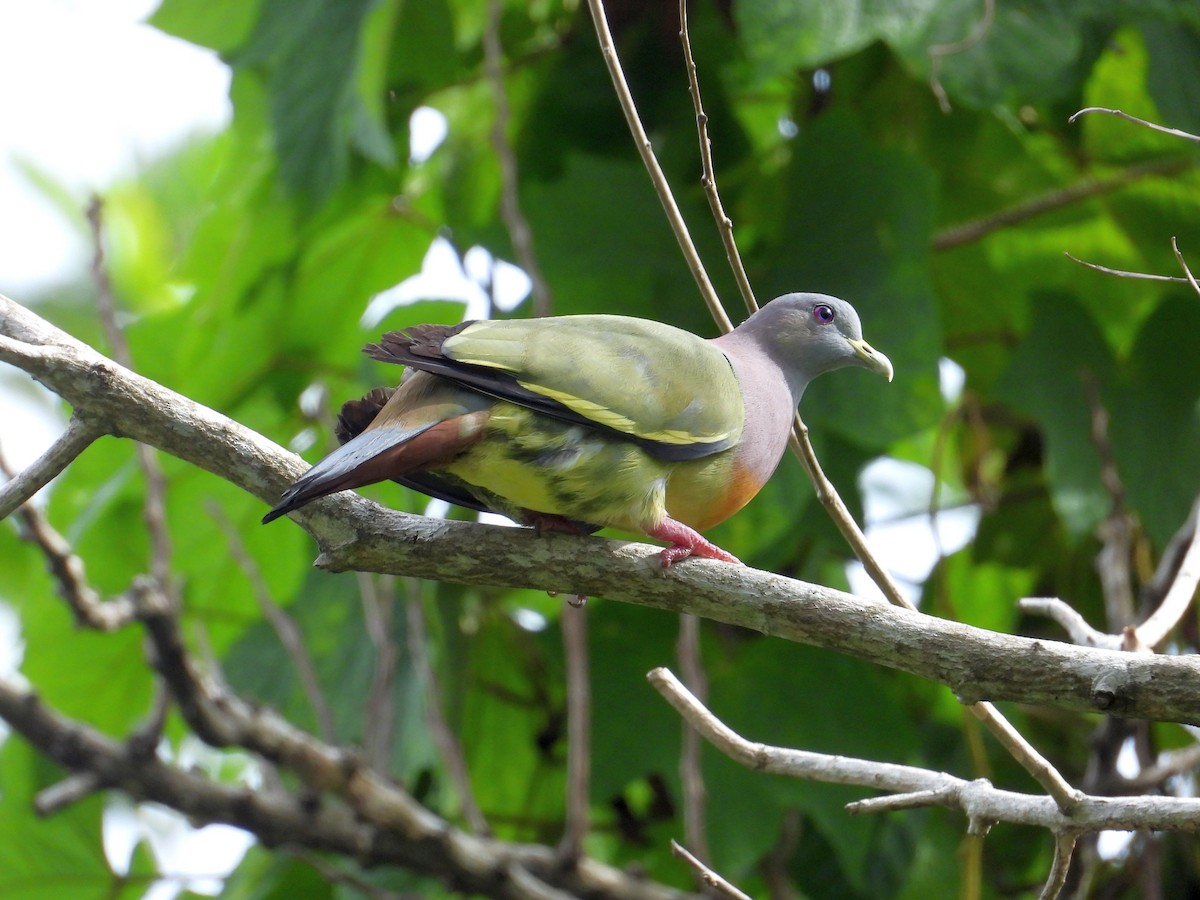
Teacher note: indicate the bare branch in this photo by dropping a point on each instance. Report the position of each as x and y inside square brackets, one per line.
[281, 623]
[691, 774]
[1163, 620]
[1115, 533]
[379, 713]
[68, 572]
[706, 875]
[1191, 279]
[448, 746]
[1122, 273]
[379, 824]
[20, 487]
[67, 792]
[969, 232]
[1064, 848]
[1174, 132]
[510, 205]
[1076, 627]
[938, 52]
[156, 485]
[893, 802]
[579, 730]
[708, 177]
[646, 151]
[978, 800]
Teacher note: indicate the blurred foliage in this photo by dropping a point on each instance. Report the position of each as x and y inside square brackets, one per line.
[247, 258]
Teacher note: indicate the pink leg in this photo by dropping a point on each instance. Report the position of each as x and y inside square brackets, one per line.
[685, 542]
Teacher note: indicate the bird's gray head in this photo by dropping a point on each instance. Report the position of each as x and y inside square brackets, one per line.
[810, 334]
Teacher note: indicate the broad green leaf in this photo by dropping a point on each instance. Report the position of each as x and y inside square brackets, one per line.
[57, 856]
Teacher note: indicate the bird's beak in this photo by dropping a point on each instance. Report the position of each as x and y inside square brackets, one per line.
[872, 358]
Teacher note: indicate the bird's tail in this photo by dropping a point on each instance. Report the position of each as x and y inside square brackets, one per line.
[373, 455]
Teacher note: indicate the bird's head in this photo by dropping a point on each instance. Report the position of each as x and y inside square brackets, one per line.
[810, 334]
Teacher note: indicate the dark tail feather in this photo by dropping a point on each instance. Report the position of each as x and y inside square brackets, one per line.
[371, 456]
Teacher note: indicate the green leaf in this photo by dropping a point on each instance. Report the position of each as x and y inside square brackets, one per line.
[53, 857]
[785, 34]
[1047, 380]
[1173, 77]
[311, 49]
[220, 24]
[869, 246]
[1156, 418]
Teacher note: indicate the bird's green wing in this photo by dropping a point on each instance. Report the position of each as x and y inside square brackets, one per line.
[666, 389]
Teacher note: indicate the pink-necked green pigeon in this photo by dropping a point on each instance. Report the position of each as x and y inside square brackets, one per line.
[584, 422]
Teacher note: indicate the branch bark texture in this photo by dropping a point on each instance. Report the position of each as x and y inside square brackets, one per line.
[353, 533]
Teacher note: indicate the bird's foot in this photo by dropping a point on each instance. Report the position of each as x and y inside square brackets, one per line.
[686, 542]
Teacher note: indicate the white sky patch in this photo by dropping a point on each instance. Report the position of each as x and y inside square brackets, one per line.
[427, 128]
[97, 93]
[196, 859]
[951, 379]
[444, 276]
[902, 534]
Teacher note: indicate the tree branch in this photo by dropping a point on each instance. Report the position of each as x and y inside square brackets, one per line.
[353, 533]
[978, 799]
[21, 486]
[382, 824]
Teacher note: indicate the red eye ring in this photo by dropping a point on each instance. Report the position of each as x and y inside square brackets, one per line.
[823, 314]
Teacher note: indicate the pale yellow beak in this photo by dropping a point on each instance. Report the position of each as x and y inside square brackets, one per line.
[872, 358]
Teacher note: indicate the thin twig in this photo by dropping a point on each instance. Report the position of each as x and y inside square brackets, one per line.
[447, 743]
[894, 802]
[1122, 273]
[1066, 796]
[1064, 848]
[706, 875]
[1176, 763]
[708, 176]
[646, 151]
[1114, 560]
[1155, 629]
[1174, 132]
[1191, 279]
[281, 623]
[1076, 627]
[68, 792]
[154, 510]
[20, 487]
[68, 571]
[510, 205]
[834, 505]
[979, 800]
[579, 731]
[379, 711]
[937, 52]
[969, 232]
[691, 774]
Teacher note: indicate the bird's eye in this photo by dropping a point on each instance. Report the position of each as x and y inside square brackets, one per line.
[823, 314]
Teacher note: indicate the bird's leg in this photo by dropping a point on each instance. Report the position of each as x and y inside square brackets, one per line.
[545, 523]
[685, 542]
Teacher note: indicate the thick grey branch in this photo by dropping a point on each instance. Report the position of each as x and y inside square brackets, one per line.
[356, 534]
